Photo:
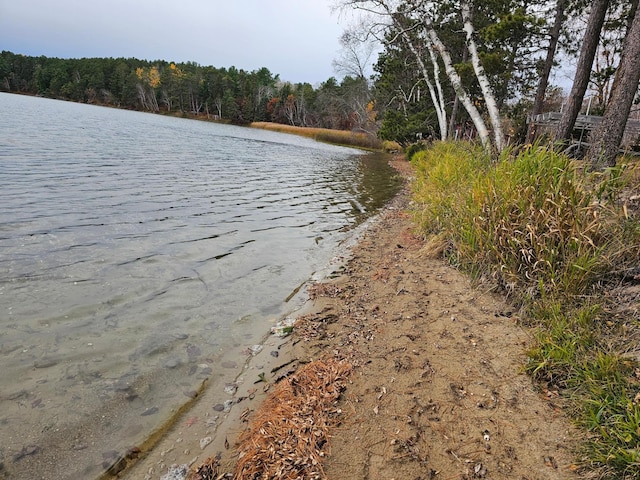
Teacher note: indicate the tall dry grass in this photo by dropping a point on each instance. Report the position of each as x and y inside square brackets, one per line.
[336, 137]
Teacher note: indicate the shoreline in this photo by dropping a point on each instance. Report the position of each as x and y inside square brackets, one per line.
[201, 424]
[436, 387]
[201, 430]
[81, 405]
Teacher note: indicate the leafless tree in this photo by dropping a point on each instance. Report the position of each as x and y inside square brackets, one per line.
[357, 52]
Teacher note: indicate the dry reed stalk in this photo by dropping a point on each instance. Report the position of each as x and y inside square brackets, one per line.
[288, 435]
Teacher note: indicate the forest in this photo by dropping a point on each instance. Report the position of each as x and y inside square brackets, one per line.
[229, 94]
[442, 70]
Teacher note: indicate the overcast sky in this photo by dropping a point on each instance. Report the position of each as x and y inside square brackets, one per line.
[297, 39]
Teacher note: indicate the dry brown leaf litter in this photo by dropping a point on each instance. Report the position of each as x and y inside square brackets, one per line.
[288, 436]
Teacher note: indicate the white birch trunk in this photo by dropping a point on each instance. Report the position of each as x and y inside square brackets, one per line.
[436, 97]
[483, 81]
[153, 100]
[456, 82]
[436, 75]
[142, 96]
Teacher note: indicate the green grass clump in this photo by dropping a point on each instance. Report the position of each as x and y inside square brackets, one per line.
[601, 386]
[554, 238]
[532, 221]
[444, 176]
[532, 217]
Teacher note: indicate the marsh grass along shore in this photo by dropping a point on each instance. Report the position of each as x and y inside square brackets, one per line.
[338, 137]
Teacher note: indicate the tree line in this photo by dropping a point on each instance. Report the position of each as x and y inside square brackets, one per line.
[229, 94]
[476, 69]
[482, 68]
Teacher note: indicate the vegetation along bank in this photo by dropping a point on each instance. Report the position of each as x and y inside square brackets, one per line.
[563, 245]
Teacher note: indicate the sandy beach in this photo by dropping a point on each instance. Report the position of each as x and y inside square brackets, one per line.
[435, 389]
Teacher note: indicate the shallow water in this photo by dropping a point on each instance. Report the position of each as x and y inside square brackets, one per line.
[141, 255]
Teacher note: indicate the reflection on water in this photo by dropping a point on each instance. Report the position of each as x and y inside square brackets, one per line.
[138, 254]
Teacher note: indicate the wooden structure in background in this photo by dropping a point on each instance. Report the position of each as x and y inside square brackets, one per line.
[545, 123]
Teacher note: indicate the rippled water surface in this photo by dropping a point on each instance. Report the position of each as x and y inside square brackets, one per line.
[137, 252]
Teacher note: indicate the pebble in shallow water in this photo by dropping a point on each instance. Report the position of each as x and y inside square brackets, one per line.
[45, 363]
[176, 472]
[255, 349]
[190, 393]
[172, 363]
[149, 411]
[193, 352]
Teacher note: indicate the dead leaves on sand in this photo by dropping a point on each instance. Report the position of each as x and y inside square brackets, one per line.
[288, 435]
[316, 290]
[209, 470]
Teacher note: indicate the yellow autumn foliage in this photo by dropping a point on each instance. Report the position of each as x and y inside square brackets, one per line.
[150, 76]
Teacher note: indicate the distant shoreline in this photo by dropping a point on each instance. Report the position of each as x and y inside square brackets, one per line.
[346, 138]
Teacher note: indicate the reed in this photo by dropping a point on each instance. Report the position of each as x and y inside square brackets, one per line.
[336, 137]
[555, 239]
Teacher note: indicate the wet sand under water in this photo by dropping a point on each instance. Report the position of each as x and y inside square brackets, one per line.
[210, 424]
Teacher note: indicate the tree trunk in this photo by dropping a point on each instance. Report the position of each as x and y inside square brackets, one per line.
[605, 141]
[546, 68]
[483, 80]
[436, 76]
[456, 101]
[632, 12]
[456, 82]
[583, 70]
[436, 97]
[437, 101]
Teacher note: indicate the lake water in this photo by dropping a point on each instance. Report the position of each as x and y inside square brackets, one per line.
[141, 254]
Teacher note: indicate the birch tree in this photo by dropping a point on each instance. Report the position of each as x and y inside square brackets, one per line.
[404, 17]
[437, 96]
[406, 32]
[456, 82]
[485, 85]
